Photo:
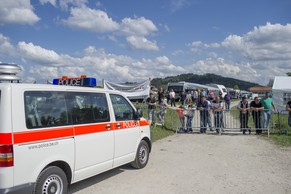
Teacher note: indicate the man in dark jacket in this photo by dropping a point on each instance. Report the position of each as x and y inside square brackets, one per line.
[257, 109]
[243, 107]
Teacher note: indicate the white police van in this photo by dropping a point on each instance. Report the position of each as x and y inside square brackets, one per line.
[52, 136]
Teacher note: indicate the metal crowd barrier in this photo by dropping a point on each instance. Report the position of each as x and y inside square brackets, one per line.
[220, 122]
[231, 121]
[284, 122]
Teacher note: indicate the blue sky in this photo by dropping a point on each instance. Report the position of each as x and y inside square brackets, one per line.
[135, 40]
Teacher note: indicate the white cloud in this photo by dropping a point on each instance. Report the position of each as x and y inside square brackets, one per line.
[6, 48]
[262, 53]
[37, 54]
[42, 64]
[17, 12]
[135, 30]
[196, 43]
[163, 60]
[178, 52]
[269, 42]
[91, 20]
[141, 43]
[52, 2]
[176, 5]
[225, 68]
[167, 28]
[137, 27]
[65, 4]
[196, 46]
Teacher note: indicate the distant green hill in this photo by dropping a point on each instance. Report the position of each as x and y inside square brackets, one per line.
[203, 79]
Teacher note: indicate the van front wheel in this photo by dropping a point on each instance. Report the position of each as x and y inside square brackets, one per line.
[51, 180]
[142, 155]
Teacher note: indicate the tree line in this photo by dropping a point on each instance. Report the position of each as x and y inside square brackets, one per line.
[204, 79]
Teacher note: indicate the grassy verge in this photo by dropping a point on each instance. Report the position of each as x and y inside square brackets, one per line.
[158, 131]
[278, 133]
[281, 140]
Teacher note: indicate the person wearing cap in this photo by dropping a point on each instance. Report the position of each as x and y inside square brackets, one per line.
[268, 104]
[243, 107]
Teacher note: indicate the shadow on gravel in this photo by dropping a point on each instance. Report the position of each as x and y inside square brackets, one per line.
[93, 180]
[226, 132]
[98, 178]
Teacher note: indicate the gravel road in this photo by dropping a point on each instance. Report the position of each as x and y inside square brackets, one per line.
[201, 163]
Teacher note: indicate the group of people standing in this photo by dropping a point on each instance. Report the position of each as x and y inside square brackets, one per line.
[152, 103]
[258, 108]
[205, 107]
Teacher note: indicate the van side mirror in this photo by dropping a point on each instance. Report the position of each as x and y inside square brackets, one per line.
[138, 113]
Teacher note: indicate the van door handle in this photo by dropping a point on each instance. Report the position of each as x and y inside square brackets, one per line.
[108, 127]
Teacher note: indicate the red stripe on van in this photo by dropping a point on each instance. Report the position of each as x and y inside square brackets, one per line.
[92, 128]
[64, 132]
[5, 138]
[144, 123]
[31, 136]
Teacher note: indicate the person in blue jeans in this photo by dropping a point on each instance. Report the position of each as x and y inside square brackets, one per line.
[203, 107]
[181, 115]
[217, 108]
[268, 104]
[190, 115]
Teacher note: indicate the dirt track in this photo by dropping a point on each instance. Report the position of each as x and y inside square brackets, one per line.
[198, 163]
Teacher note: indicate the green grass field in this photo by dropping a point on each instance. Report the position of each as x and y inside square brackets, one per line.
[158, 131]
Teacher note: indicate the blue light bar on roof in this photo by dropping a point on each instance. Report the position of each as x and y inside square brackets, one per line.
[78, 81]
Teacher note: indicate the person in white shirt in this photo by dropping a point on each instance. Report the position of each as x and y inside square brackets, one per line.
[172, 97]
[163, 107]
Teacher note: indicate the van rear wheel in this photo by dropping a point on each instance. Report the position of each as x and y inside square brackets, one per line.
[142, 155]
[51, 180]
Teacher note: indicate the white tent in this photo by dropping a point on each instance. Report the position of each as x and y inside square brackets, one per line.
[136, 91]
[281, 91]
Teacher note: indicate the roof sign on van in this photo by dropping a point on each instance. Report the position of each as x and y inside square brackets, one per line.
[76, 81]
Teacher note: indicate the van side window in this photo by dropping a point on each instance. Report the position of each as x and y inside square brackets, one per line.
[122, 109]
[88, 107]
[45, 109]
